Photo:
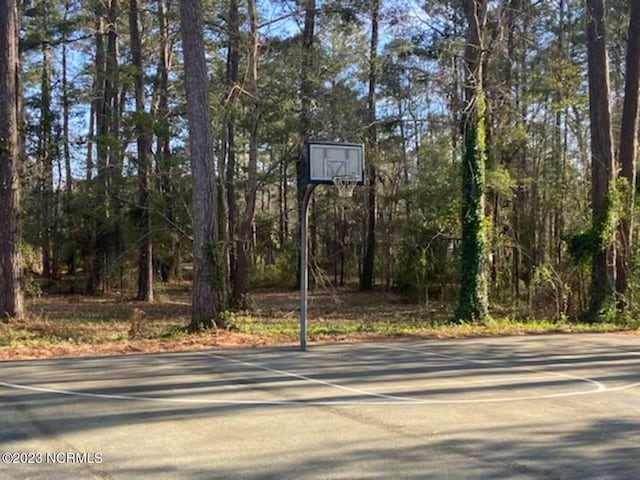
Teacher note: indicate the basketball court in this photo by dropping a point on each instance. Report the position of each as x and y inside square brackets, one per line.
[556, 406]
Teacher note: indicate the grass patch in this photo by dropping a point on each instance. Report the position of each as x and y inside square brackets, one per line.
[70, 325]
[323, 329]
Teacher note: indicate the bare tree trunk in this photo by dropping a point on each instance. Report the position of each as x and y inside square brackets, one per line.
[208, 275]
[283, 224]
[98, 248]
[11, 304]
[629, 147]
[170, 267]
[112, 85]
[243, 244]
[368, 262]
[116, 97]
[90, 132]
[107, 238]
[145, 254]
[45, 154]
[68, 183]
[559, 153]
[602, 174]
[233, 62]
[65, 104]
[304, 125]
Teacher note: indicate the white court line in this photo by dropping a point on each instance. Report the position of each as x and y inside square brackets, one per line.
[543, 374]
[306, 378]
[261, 402]
[385, 400]
[599, 385]
[108, 396]
[442, 384]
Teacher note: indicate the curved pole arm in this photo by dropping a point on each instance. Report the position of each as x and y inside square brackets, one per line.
[304, 261]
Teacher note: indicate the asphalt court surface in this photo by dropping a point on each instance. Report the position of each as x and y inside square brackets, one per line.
[553, 406]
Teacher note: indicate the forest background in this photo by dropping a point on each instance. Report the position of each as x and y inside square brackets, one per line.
[162, 142]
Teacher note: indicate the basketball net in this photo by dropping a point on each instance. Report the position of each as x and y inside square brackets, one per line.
[345, 185]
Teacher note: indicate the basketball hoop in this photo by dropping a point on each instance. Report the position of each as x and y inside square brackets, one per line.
[340, 164]
[345, 184]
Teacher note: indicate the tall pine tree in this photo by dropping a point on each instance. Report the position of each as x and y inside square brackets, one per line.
[473, 288]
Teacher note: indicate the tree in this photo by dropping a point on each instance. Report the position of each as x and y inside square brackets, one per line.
[108, 162]
[602, 172]
[65, 100]
[306, 94]
[165, 169]
[231, 94]
[473, 283]
[10, 293]
[66, 103]
[145, 257]
[517, 101]
[629, 147]
[368, 263]
[208, 272]
[243, 241]
[46, 150]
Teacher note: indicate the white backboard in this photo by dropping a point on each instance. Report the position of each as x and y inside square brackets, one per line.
[326, 160]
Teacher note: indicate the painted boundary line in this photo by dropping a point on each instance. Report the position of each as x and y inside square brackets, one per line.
[498, 363]
[377, 398]
[308, 379]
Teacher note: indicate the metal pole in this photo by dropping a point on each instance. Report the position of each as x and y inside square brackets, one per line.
[304, 260]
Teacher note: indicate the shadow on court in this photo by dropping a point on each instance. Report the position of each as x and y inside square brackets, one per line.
[521, 407]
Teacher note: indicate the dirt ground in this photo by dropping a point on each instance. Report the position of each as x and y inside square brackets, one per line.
[74, 325]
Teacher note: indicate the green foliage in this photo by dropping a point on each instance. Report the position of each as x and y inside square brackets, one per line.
[580, 245]
[279, 272]
[425, 265]
[551, 291]
[473, 304]
[31, 286]
[30, 258]
[632, 310]
[501, 182]
[606, 222]
[411, 267]
[535, 137]
[228, 320]
[583, 243]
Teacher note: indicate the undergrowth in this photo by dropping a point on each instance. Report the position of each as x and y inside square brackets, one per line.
[61, 321]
